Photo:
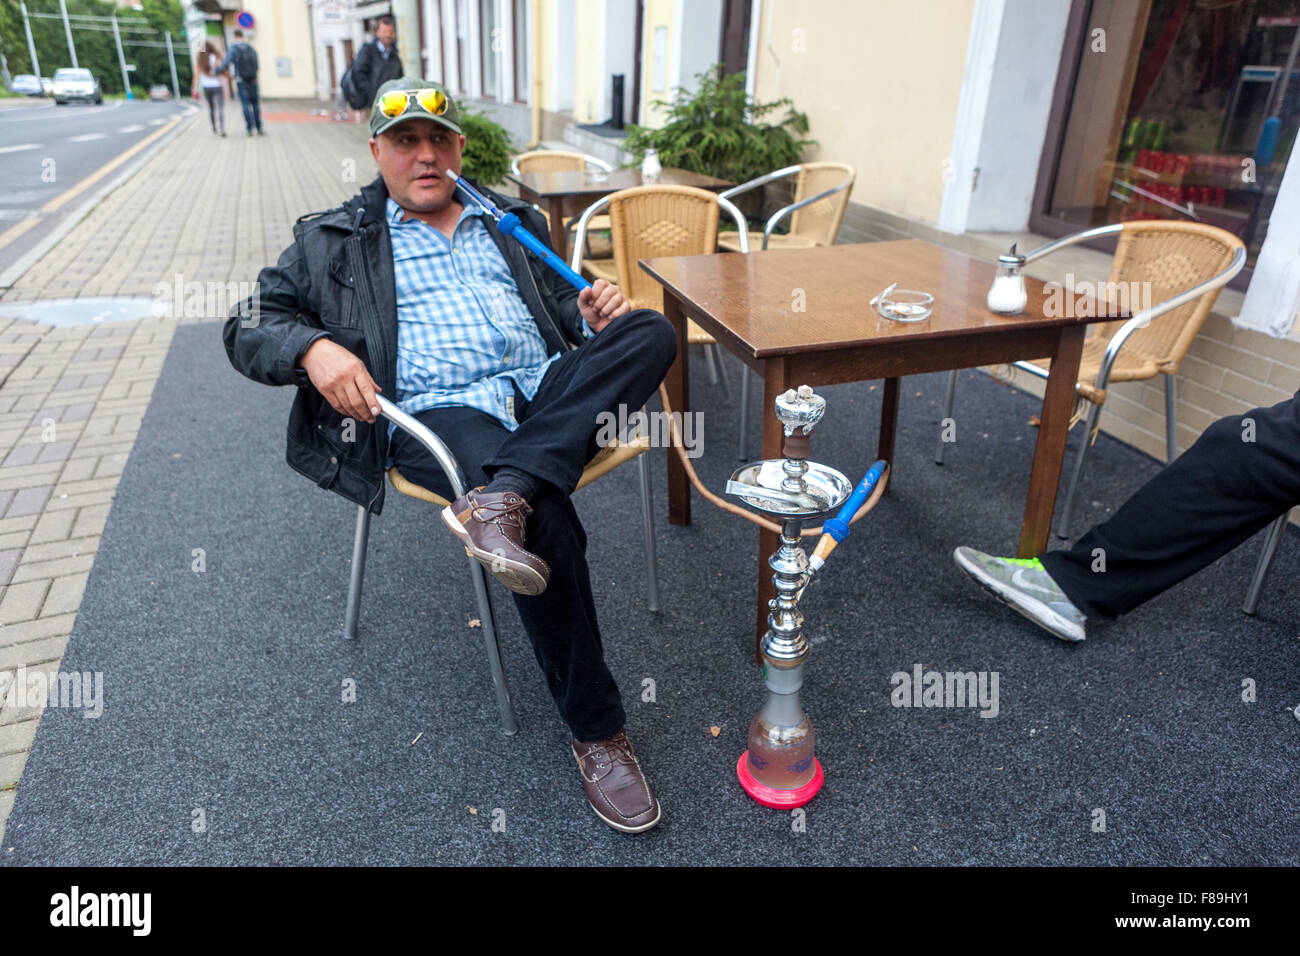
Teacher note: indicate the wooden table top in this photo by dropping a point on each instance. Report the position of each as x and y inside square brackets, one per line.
[751, 298]
[575, 183]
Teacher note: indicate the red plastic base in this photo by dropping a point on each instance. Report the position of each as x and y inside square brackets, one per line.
[772, 797]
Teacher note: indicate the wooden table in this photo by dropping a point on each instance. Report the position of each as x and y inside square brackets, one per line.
[746, 303]
[566, 194]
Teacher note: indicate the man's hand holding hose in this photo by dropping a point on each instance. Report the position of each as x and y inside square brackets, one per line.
[343, 379]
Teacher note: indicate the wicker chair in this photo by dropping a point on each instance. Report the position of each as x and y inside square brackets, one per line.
[606, 460]
[821, 194]
[1184, 264]
[559, 161]
[649, 221]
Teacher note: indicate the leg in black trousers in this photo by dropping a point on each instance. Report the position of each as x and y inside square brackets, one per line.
[1219, 493]
[554, 440]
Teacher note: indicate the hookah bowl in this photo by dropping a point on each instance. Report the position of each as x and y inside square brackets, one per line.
[779, 769]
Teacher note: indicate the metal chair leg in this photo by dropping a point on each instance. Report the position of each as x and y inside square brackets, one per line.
[708, 361]
[1076, 478]
[356, 579]
[648, 517]
[1272, 539]
[743, 450]
[947, 414]
[492, 644]
[722, 370]
[1171, 420]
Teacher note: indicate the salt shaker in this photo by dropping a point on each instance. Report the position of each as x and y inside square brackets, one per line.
[1007, 295]
[650, 168]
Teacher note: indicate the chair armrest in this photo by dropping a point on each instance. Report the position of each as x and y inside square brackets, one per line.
[786, 210]
[426, 437]
[580, 235]
[1112, 230]
[514, 166]
[599, 164]
[760, 181]
[739, 217]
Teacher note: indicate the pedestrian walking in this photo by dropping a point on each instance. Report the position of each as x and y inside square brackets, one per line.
[377, 62]
[242, 58]
[213, 84]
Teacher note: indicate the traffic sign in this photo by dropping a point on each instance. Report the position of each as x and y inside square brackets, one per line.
[245, 19]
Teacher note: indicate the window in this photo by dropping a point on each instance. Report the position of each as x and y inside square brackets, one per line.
[490, 48]
[1178, 109]
[521, 50]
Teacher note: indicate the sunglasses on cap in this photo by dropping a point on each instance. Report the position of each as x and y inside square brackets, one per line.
[395, 102]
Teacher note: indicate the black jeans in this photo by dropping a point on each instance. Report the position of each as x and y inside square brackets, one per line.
[248, 98]
[1237, 478]
[556, 437]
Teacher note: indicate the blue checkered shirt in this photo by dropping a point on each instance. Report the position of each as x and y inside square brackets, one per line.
[464, 334]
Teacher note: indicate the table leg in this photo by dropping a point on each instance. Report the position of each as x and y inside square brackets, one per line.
[555, 209]
[888, 425]
[776, 379]
[1049, 450]
[677, 384]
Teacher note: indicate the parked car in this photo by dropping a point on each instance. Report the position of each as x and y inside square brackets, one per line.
[76, 84]
[27, 84]
[159, 92]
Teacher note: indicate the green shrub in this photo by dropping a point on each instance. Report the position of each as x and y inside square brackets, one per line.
[719, 131]
[486, 158]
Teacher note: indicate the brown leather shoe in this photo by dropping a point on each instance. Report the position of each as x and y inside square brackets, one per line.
[616, 788]
[491, 526]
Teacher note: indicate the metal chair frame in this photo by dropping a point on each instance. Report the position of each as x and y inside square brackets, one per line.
[1140, 320]
[478, 578]
[590, 160]
[772, 221]
[1272, 538]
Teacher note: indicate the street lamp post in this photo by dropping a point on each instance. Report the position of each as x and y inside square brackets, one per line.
[121, 58]
[67, 28]
[31, 45]
[171, 60]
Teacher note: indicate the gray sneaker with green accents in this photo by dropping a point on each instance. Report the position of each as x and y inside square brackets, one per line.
[1023, 584]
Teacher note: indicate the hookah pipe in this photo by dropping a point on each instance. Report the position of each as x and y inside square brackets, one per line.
[832, 532]
[509, 224]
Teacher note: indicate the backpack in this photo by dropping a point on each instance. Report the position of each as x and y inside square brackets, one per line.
[245, 63]
[348, 86]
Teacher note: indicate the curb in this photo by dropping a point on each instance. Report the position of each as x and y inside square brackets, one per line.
[15, 272]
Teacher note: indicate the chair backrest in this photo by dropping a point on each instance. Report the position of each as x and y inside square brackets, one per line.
[553, 161]
[650, 221]
[821, 220]
[1160, 259]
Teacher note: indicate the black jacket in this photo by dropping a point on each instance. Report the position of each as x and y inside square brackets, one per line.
[370, 70]
[337, 280]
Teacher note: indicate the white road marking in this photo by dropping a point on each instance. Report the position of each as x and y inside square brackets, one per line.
[157, 122]
[17, 149]
[85, 137]
[133, 128]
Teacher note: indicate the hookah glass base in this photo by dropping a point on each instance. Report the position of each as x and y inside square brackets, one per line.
[774, 798]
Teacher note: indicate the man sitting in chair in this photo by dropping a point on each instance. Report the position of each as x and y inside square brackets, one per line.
[408, 291]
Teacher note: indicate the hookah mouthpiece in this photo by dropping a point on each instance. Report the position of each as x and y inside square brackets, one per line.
[835, 530]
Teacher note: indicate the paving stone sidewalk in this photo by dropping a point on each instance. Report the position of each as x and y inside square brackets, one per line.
[203, 209]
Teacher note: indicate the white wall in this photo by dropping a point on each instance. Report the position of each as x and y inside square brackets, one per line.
[697, 28]
[620, 54]
[1012, 60]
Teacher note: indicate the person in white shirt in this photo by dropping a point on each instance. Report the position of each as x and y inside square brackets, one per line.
[214, 91]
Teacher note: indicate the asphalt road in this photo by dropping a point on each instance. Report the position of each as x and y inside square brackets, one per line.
[48, 151]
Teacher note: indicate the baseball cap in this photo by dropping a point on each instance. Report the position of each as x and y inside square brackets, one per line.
[412, 109]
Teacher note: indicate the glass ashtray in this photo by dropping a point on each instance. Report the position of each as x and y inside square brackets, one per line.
[905, 305]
